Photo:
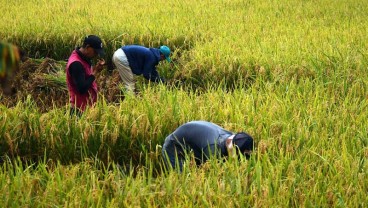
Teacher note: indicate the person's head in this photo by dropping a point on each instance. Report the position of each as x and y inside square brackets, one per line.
[165, 53]
[242, 142]
[92, 46]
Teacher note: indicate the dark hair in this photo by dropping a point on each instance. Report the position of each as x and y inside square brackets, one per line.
[242, 142]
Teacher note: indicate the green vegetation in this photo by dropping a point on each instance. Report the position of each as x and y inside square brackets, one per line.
[291, 73]
[210, 40]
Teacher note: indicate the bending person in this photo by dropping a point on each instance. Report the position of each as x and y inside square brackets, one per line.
[133, 60]
[206, 140]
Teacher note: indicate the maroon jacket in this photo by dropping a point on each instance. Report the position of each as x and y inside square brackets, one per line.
[77, 99]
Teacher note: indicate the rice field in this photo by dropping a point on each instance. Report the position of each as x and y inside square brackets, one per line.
[290, 73]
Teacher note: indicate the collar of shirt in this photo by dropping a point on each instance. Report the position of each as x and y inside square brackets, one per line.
[156, 53]
[231, 143]
[83, 56]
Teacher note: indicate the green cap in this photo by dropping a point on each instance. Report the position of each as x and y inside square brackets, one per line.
[166, 52]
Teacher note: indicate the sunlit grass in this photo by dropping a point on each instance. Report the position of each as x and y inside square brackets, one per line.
[290, 73]
[311, 148]
[208, 38]
[262, 181]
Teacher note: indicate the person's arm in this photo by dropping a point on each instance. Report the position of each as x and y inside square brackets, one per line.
[99, 66]
[79, 78]
[211, 150]
[150, 72]
[173, 153]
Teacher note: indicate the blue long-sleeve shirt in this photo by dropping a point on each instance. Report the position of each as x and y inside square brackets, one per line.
[143, 60]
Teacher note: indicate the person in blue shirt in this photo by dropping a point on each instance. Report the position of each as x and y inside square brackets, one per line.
[205, 140]
[133, 60]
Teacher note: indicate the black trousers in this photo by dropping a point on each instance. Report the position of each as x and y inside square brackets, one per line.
[75, 112]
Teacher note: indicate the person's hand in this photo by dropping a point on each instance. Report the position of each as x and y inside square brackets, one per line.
[99, 66]
[101, 62]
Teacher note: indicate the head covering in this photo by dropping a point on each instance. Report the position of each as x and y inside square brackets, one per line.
[166, 52]
[243, 142]
[96, 43]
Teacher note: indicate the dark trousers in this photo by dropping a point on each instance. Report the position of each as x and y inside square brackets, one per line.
[75, 112]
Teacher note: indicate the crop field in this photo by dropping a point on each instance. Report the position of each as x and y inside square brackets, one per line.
[291, 73]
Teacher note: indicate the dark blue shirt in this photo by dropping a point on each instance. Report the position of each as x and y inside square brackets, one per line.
[143, 60]
[202, 137]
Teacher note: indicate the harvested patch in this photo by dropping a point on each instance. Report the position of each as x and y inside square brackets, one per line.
[45, 81]
[109, 86]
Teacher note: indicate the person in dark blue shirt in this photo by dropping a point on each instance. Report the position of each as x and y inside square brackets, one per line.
[204, 139]
[133, 60]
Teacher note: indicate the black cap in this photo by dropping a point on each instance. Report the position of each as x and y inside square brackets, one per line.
[243, 141]
[96, 43]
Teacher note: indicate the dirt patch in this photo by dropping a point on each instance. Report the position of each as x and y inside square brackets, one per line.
[109, 85]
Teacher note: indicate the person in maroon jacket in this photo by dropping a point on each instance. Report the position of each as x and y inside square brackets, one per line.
[80, 77]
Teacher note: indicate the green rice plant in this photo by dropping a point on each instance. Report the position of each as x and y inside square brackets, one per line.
[290, 73]
[289, 117]
[257, 182]
[211, 42]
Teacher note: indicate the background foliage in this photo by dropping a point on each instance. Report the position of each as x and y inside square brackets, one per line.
[291, 73]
